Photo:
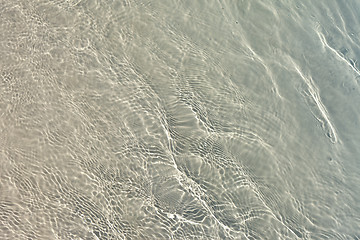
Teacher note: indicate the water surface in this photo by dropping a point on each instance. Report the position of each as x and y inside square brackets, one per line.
[179, 119]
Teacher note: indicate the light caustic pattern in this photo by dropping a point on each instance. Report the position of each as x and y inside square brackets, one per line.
[177, 120]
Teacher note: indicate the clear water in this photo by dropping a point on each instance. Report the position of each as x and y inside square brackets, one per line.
[123, 119]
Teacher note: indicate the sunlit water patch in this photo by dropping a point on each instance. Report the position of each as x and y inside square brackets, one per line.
[179, 119]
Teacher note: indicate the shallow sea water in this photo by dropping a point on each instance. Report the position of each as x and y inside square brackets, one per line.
[125, 119]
